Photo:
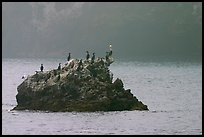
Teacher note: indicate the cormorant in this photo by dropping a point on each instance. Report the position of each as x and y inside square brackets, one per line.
[24, 76]
[87, 55]
[93, 57]
[110, 53]
[41, 68]
[59, 67]
[79, 65]
[69, 57]
[107, 56]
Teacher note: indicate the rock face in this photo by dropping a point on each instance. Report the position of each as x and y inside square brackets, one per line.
[78, 86]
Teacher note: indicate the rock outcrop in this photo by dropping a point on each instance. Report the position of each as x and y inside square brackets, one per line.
[79, 86]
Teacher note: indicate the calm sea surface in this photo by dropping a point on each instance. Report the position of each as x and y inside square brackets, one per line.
[172, 91]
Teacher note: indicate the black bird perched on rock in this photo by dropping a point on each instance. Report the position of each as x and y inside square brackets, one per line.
[87, 55]
[107, 56]
[59, 67]
[111, 52]
[23, 76]
[79, 65]
[41, 68]
[69, 57]
[93, 57]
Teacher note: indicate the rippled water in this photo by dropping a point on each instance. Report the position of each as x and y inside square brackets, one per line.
[172, 91]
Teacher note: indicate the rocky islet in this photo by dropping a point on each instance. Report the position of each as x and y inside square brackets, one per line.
[80, 85]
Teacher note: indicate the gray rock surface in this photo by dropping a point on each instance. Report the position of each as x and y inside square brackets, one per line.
[85, 86]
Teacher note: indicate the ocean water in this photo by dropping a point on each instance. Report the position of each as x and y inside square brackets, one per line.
[171, 90]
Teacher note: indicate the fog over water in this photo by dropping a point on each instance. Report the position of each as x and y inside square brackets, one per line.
[157, 51]
[137, 30]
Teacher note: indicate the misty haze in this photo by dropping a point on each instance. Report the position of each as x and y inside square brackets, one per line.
[167, 30]
[146, 81]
